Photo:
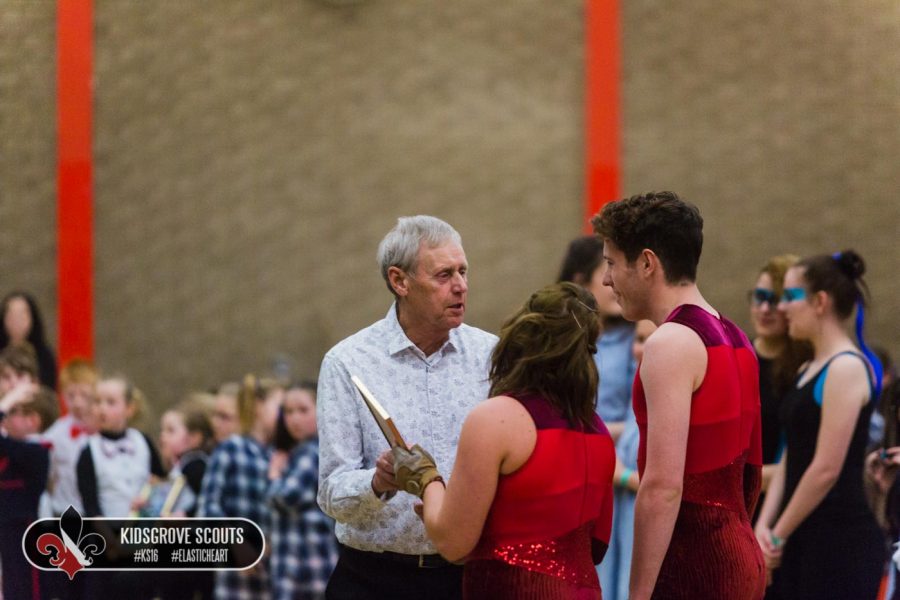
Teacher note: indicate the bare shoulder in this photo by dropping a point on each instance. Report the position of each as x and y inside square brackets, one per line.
[848, 370]
[499, 412]
[673, 355]
[674, 340]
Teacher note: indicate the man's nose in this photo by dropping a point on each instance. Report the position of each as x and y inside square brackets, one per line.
[459, 283]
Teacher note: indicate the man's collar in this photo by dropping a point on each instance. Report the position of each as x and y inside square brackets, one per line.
[398, 341]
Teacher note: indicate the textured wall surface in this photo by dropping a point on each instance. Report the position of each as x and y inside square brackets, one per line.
[28, 152]
[250, 155]
[781, 121]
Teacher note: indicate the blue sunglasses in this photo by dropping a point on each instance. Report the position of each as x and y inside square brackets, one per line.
[760, 295]
[793, 294]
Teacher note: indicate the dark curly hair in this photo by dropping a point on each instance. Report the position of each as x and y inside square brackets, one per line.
[661, 222]
[546, 348]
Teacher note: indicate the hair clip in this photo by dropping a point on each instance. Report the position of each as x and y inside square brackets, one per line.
[576, 319]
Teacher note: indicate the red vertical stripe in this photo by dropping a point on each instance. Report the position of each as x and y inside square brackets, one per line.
[602, 112]
[74, 66]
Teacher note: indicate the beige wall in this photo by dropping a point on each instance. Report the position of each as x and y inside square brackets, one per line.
[249, 157]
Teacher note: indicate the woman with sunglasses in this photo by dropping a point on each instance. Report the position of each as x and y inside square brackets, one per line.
[816, 527]
[779, 358]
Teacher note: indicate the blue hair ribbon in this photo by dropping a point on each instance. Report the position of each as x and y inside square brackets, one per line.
[877, 369]
[875, 364]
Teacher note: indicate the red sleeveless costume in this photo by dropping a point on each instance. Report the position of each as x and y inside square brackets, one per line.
[550, 520]
[713, 554]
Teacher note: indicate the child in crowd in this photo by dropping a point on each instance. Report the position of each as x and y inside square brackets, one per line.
[117, 460]
[235, 482]
[626, 482]
[25, 411]
[69, 434]
[185, 440]
[304, 549]
[18, 365]
[113, 467]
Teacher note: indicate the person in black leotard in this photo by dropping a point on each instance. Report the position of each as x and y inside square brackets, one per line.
[816, 526]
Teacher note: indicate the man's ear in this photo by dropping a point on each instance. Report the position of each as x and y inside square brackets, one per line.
[579, 278]
[399, 281]
[647, 263]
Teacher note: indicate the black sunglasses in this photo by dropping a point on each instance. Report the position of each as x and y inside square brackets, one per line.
[759, 295]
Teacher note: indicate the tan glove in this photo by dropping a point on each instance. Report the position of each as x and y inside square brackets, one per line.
[414, 469]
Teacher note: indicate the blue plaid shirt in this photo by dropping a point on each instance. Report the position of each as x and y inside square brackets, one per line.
[235, 485]
[304, 549]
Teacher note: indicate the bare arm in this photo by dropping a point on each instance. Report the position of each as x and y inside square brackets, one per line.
[768, 472]
[673, 367]
[615, 429]
[497, 436]
[846, 389]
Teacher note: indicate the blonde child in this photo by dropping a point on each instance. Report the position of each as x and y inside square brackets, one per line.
[118, 460]
[235, 482]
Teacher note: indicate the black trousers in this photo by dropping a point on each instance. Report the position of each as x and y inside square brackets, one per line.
[372, 576]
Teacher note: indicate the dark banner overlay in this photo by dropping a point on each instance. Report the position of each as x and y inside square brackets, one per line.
[72, 543]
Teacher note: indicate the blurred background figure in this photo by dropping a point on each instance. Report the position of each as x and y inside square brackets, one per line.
[236, 480]
[225, 422]
[584, 265]
[304, 547]
[185, 441]
[25, 411]
[779, 358]
[22, 322]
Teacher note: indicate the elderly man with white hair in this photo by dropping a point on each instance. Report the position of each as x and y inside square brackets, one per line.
[428, 369]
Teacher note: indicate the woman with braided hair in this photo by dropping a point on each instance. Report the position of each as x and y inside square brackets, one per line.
[816, 527]
[529, 502]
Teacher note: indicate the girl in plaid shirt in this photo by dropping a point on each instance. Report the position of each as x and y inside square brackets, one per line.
[235, 482]
[304, 549]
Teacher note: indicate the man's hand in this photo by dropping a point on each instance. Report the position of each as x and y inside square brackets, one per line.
[383, 481]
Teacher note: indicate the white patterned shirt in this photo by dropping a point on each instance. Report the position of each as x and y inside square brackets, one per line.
[428, 399]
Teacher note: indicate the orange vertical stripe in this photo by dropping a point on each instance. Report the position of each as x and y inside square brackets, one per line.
[602, 112]
[74, 69]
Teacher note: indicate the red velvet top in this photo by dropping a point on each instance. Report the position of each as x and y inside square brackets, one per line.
[713, 552]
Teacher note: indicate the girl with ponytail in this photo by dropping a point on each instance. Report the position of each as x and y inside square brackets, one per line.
[236, 479]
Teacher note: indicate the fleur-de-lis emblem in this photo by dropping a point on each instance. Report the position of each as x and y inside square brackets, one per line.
[71, 552]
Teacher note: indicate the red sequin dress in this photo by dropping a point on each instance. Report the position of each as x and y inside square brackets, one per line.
[713, 553]
[550, 520]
